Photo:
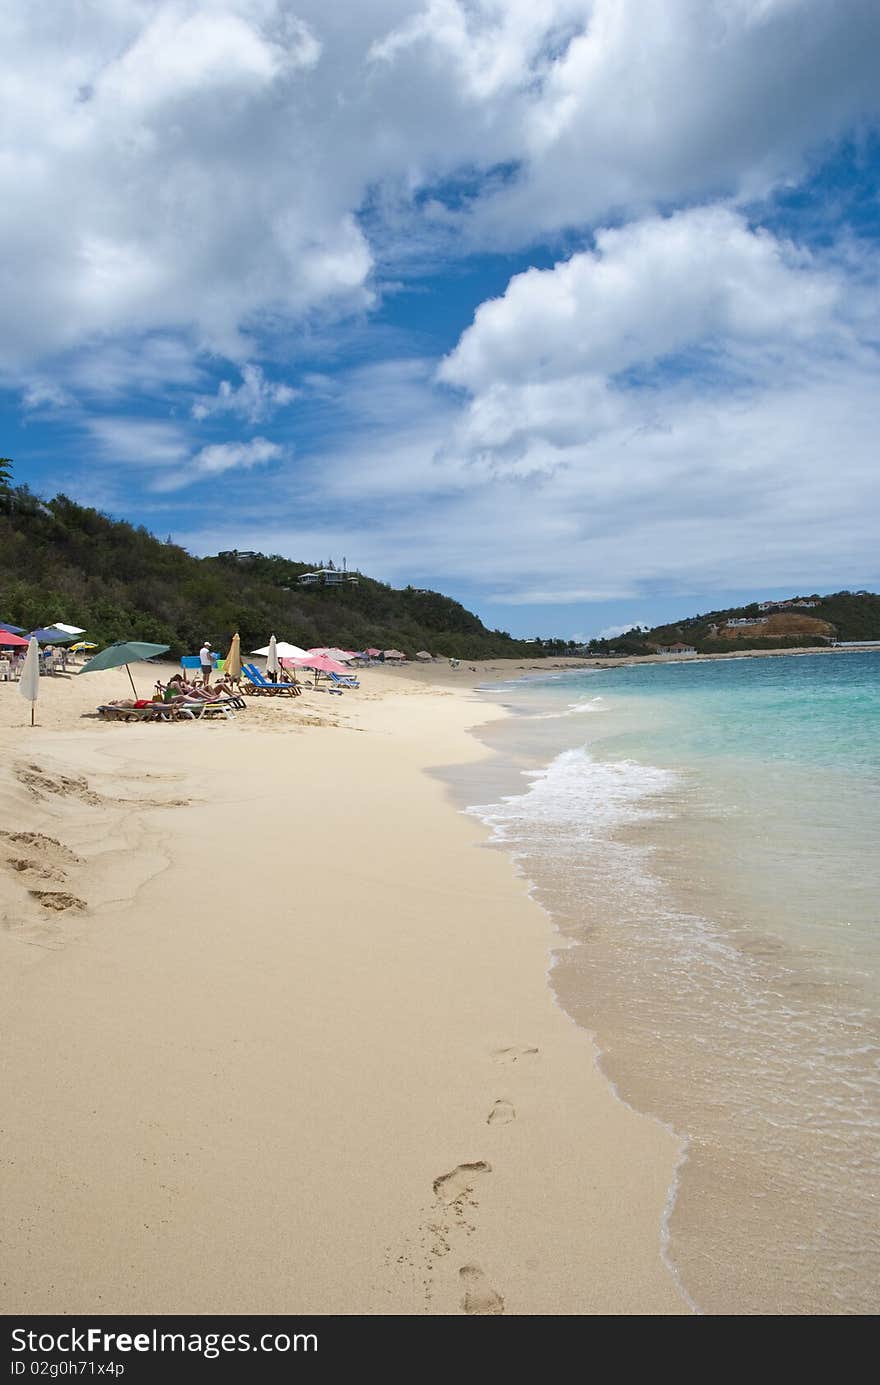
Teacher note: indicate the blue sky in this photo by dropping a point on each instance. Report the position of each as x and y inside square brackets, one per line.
[569, 311]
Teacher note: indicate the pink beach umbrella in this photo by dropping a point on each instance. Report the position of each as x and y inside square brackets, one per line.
[341, 655]
[321, 663]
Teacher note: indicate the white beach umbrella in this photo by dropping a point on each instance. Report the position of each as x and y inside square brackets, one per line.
[29, 682]
[282, 649]
[272, 658]
[66, 629]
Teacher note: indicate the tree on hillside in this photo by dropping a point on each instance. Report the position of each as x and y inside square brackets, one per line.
[6, 496]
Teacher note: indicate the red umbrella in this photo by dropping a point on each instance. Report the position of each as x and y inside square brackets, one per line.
[7, 638]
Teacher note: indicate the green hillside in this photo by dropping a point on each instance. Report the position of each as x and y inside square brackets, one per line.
[841, 615]
[61, 561]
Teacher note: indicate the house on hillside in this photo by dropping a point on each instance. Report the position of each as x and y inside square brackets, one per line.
[793, 601]
[746, 620]
[235, 555]
[677, 648]
[327, 577]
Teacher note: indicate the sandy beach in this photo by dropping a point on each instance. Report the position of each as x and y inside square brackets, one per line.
[277, 1033]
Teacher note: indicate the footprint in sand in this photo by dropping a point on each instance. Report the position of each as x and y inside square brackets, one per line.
[457, 1185]
[514, 1055]
[480, 1299]
[501, 1114]
[43, 846]
[21, 866]
[56, 900]
[35, 779]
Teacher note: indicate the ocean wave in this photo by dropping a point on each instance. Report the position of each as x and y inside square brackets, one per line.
[594, 704]
[576, 791]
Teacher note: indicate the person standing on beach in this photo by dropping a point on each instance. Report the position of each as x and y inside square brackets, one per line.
[206, 659]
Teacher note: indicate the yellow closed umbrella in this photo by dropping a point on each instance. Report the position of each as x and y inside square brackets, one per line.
[232, 661]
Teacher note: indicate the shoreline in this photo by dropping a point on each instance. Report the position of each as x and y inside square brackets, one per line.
[607, 988]
[478, 673]
[313, 1063]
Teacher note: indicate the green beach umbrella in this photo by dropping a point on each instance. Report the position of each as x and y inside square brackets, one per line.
[123, 653]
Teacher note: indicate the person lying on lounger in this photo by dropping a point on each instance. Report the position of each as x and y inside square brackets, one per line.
[177, 692]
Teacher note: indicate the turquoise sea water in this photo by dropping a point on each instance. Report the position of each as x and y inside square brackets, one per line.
[705, 836]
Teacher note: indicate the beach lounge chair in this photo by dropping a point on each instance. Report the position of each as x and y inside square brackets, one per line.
[260, 686]
[156, 711]
[197, 711]
[344, 680]
[197, 697]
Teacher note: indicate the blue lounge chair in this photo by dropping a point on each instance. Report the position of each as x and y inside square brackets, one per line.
[344, 680]
[263, 686]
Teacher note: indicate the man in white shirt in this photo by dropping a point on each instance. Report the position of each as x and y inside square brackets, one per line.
[206, 659]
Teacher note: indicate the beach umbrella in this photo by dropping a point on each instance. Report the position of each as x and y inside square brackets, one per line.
[12, 641]
[81, 645]
[29, 682]
[123, 653]
[321, 663]
[232, 663]
[13, 629]
[342, 656]
[66, 629]
[282, 649]
[272, 658]
[51, 636]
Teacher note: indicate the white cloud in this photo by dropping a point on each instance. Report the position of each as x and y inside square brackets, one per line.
[145, 365]
[693, 407]
[201, 167]
[158, 175]
[648, 290]
[163, 451]
[255, 399]
[229, 456]
[143, 442]
[557, 596]
[660, 101]
[45, 394]
[611, 632]
[690, 401]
